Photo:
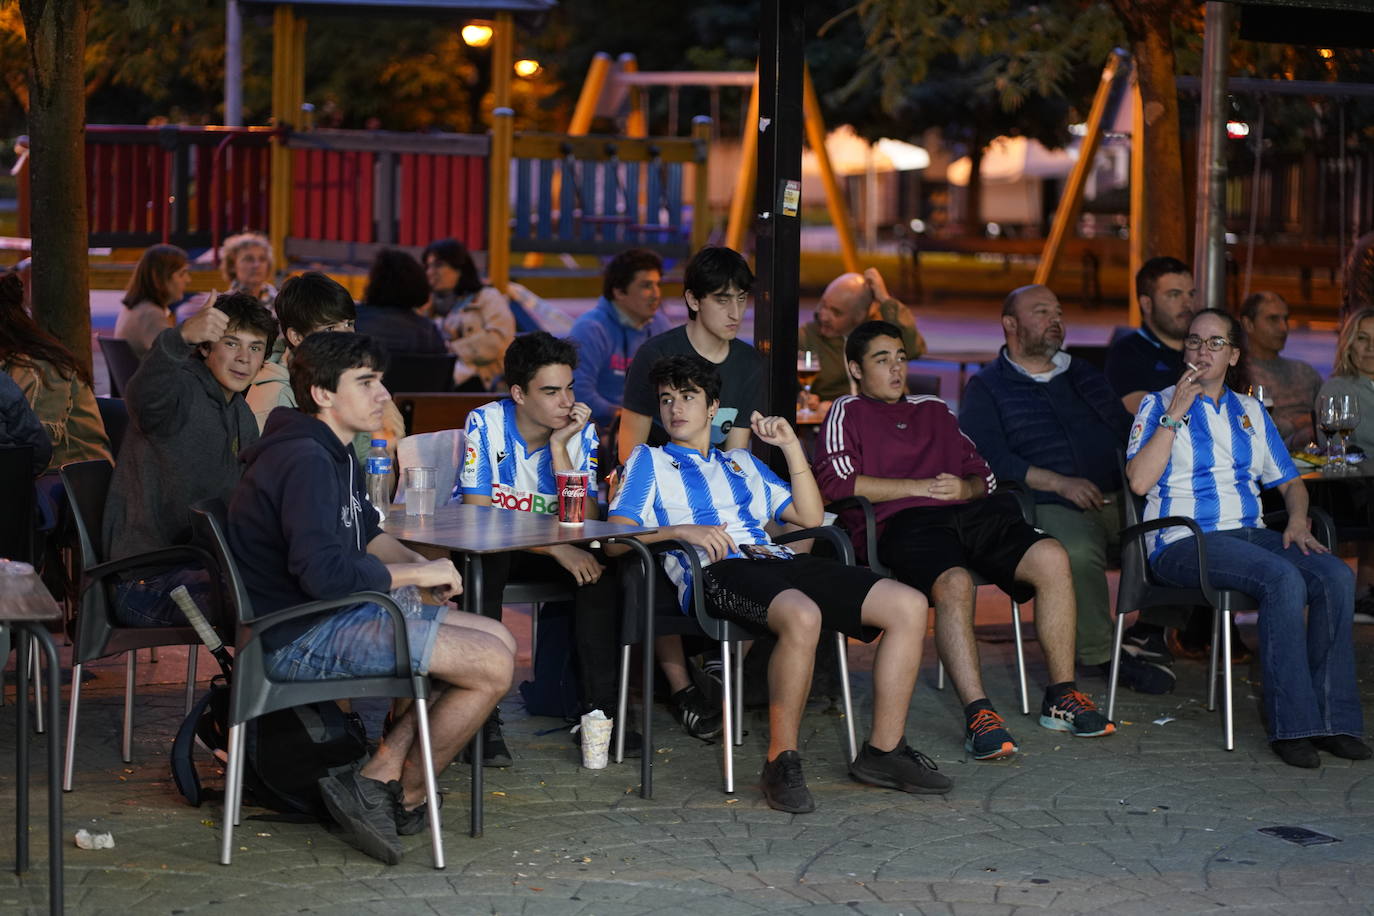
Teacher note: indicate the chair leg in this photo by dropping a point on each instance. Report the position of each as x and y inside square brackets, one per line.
[130, 673]
[34, 652]
[739, 693]
[622, 705]
[233, 783]
[1213, 669]
[1116, 665]
[939, 670]
[1020, 657]
[842, 664]
[4, 654]
[431, 786]
[70, 762]
[534, 633]
[727, 704]
[1225, 618]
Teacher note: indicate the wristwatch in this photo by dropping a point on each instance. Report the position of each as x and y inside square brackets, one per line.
[1169, 423]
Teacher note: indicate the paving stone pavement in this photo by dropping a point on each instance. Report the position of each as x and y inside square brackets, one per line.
[1158, 818]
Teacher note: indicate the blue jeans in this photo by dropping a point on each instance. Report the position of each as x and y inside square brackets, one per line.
[358, 642]
[147, 602]
[1308, 668]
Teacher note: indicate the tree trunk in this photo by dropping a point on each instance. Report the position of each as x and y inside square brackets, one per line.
[973, 198]
[57, 169]
[1149, 32]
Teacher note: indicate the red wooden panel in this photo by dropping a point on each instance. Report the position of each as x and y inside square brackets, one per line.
[362, 230]
[333, 190]
[252, 196]
[457, 196]
[161, 192]
[205, 187]
[476, 210]
[405, 202]
[138, 180]
[439, 199]
[300, 177]
[120, 210]
[424, 199]
[311, 180]
[236, 173]
[95, 200]
[348, 192]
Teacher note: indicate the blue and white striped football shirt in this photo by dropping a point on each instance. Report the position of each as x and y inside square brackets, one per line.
[674, 485]
[497, 463]
[1220, 459]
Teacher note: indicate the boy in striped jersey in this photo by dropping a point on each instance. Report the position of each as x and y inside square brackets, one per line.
[719, 502]
[512, 448]
[928, 484]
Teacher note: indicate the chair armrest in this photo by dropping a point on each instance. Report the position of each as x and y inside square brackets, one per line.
[838, 538]
[864, 505]
[166, 556]
[1322, 525]
[1140, 529]
[1025, 500]
[253, 629]
[713, 626]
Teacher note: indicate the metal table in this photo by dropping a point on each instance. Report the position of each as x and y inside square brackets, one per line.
[479, 530]
[26, 604]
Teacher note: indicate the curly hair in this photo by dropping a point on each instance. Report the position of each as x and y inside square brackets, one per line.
[234, 245]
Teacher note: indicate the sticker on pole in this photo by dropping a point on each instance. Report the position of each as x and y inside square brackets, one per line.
[791, 198]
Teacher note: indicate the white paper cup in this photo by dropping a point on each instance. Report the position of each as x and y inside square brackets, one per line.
[596, 740]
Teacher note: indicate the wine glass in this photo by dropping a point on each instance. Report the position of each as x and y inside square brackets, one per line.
[808, 367]
[1337, 416]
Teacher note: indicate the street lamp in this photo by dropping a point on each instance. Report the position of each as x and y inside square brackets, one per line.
[477, 34]
[527, 68]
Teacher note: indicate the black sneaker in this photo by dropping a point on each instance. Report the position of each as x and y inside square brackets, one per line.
[1140, 675]
[1074, 713]
[696, 714]
[494, 750]
[905, 768]
[364, 809]
[1343, 746]
[1147, 643]
[784, 786]
[409, 823]
[986, 736]
[1297, 752]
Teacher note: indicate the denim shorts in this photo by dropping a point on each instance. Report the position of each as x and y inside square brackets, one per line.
[358, 642]
[147, 602]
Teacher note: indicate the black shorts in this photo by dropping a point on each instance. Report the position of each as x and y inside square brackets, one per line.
[988, 536]
[740, 590]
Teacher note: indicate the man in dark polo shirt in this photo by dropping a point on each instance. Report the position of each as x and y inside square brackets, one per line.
[1046, 419]
[1151, 359]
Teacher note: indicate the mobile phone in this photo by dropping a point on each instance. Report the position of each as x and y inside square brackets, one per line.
[1299, 835]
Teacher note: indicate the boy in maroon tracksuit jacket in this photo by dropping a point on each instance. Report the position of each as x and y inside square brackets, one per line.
[928, 485]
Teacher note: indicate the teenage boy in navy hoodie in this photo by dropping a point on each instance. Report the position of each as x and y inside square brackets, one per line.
[301, 530]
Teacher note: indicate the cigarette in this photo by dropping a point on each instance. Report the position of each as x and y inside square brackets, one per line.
[1191, 366]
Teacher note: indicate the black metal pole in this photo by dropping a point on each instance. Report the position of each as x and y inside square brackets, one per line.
[777, 207]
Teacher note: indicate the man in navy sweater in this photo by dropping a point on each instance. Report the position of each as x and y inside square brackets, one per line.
[1053, 423]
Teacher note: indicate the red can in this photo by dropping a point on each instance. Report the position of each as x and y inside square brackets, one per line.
[572, 496]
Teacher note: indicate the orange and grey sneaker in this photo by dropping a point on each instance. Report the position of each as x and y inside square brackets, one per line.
[986, 736]
[1071, 711]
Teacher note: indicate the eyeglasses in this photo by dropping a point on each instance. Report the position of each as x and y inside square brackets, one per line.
[1193, 342]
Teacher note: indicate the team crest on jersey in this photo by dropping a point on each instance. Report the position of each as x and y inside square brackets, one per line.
[1245, 422]
[734, 466]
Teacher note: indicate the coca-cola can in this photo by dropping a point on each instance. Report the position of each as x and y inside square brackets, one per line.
[572, 496]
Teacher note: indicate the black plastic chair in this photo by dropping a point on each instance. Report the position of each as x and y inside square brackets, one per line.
[728, 634]
[1138, 589]
[419, 372]
[115, 415]
[17, 540]
[98, 634]
[252, 693]
[1027, 505]
[120, 362]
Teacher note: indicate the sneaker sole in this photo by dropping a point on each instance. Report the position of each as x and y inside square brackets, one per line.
[884, 782]
[1059, 725]
[357, 832]
[789, 809]
[1007, 749]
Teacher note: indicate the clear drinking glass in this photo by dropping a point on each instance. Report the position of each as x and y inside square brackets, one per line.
[420, 490]
[808, 367]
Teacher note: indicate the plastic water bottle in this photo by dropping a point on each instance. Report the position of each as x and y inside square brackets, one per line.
[378, 473]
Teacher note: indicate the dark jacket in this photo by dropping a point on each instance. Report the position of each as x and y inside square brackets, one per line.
[1072, 425]
[400, 330]
[20, 426]
[299, 521]
[182, 446]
